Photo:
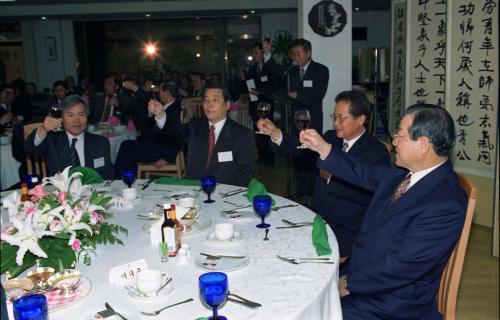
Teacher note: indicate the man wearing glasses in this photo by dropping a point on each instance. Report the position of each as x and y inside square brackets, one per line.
[411, 225]
[341, 204]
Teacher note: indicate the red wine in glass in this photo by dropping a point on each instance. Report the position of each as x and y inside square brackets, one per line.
[56, 112]
[263, 111]
[302, 120]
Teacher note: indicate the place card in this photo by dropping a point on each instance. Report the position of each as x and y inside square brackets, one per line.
[124, 274]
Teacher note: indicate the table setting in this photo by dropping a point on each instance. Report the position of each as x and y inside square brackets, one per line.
[258, 244]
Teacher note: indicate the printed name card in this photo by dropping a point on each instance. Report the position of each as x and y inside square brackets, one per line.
[124, 274]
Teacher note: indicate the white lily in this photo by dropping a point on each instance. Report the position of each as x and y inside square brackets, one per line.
[70, 222]
[26, 238]
[77, 190]
[11, 202]
[61, 181]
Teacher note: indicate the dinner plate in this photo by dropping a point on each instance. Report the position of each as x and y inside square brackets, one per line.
[213, 239]
[201, 224]
[85, 288]
[222, 264]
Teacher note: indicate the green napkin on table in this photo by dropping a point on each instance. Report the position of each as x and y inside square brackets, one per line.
[256, 188]
[177, 182]
[320, 237]
[89, 175]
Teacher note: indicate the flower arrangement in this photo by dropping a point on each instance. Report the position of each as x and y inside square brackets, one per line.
[57, 228]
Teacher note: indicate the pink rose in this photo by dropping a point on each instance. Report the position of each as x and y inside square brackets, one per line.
[30, 210]
[56, 226]
[113, 121]
[75, 245]
[38, 192]
[61, 197]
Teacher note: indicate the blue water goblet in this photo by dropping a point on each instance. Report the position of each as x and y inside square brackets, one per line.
[214, 291]
[262, 206]
[31, 307]
[128, 176]
[208, 186]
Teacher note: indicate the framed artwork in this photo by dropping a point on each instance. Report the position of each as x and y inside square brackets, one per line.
[50, 49]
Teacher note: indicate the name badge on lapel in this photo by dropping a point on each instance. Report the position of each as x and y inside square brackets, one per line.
[308, 83]
[99, 162]
[226, 156]
[263, 79]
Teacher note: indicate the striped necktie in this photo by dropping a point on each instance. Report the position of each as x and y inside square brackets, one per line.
[401, 189]
[302, 71]
[75, 160]
[211, 143]
[345, 146]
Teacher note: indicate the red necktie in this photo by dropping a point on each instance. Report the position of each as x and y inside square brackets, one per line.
[211, 143]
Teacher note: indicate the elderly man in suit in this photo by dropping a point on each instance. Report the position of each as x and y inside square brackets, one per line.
[218, 146]
[412, 223]
[160, 140]
[71, 146]
[110, 104]
[341, 204]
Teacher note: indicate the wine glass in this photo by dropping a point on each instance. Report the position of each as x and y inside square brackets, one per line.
[128, 176]
[208, 186]
[214, 291]
[56, 112]
[262, 206]
[302, 119]
[263, 111]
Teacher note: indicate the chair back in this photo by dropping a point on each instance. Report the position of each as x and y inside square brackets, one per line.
[192, 108]
[243, 115]
[450, 279]
[178, 168]
[34, 164]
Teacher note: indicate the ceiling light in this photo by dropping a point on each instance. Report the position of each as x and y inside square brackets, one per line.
[244, 16]
[198, 55]
[43, 18]
[198, 37]
[245, 36]
[148, 15]
[357, 9]
[250, 58]
[252, 11]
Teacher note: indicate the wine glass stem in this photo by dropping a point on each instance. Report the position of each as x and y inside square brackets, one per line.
[215, 313]
[262, 219]
[209, 193]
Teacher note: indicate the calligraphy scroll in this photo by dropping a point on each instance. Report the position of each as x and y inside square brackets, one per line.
[472, 96]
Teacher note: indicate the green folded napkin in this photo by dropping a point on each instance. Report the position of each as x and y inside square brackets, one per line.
[177, 182]
[320, 237]
[256, 188]
[89, 175]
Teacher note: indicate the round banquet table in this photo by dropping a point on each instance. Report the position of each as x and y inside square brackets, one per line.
[285, 290]
[9, 167]
[116, 139]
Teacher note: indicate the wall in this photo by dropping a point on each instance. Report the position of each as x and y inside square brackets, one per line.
[378, 24]
[40, 68]
[278, 21]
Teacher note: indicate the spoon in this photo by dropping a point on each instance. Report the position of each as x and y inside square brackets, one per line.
[267, 232]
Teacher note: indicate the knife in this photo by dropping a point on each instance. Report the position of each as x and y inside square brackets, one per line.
[296, 226]
[147, 183]
[218, 256]
[109, 308]
[249, 304]
[232, 194]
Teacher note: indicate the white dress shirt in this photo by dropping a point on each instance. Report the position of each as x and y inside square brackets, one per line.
[78, 145]
[218, 127]
[351, 142]
[416, 176]
[161, 122]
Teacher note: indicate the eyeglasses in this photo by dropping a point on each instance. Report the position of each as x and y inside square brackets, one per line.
[397, 135]
[340, 118]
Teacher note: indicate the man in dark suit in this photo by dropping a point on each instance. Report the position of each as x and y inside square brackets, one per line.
[341, 204]
[72, 146]
[218, 146]
[160, 140]
[59, 91]
[308, 85]
[110, 104]
[412, 223]
[198, 85]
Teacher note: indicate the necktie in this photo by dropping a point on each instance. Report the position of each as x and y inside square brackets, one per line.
[211, 143]
[345, 146]
[302, 71]
[401, 189]
[75, 160]
[106, 112]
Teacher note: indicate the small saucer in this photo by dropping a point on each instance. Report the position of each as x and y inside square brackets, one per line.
[236, 237]
[163, 293]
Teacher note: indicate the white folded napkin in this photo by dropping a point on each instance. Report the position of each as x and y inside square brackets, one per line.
[121, 203]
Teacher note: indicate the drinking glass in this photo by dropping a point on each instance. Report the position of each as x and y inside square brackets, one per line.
[262, 206]
[208, 186]
[263, 111]
[31, 307]
[302, 120]
[128, 176]
[56, 112]
[214, 291]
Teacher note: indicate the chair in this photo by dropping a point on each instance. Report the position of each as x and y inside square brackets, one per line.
[177, 168]
[450, 279]
[192, 108]
[34, 164]
[243, 116]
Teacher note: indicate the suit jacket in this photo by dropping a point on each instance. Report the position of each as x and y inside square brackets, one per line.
[401, 249]
[122, 111]
[56, 149]
[341, 203]
[310, 96]
[234, 138]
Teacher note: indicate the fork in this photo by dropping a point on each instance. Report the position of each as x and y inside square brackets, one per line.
[157, 312]
[283, 207]
[296, 223]
[305, 260]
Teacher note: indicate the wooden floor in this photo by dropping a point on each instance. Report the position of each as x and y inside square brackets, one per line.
[478, 297]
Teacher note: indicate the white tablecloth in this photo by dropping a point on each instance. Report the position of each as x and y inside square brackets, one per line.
[286, 291]
[9, 166]
[116, 139]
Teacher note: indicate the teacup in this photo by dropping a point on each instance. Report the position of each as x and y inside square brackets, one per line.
[186, 202]
[129, 193]
[224, 231]
[149, 281]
